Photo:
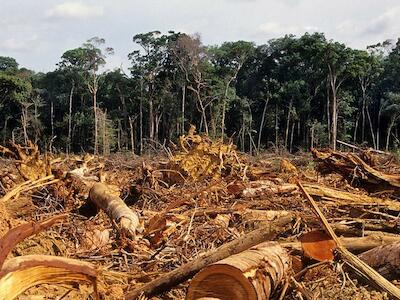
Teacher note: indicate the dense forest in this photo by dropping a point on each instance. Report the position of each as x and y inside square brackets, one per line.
[291, 93]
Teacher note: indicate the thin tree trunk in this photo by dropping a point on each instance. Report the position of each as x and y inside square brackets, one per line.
[132, 135]
[141, 118]
[355, 129]
[276, 128]
[95, 122]
[291, 138]
[183, 108]
[391, 124]
[378, 127]
[71, 93]
[262, 124]
[372, 129]
[312, 135]
[5, 130]
[363, 113]
[52, 118]
[288, 123]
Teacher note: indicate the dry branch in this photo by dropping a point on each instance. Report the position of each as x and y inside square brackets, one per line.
[20, 273]
[189, 269]
[251, 274]
[116, 209]
[21, 232]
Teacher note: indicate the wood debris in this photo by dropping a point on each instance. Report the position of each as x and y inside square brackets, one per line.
[189, 224]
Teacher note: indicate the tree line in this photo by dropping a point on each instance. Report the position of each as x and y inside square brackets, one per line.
[291, 93]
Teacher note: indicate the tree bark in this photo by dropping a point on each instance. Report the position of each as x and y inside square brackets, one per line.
[183, 108]
[253, 274]
[262, 124]
[71, 94]
[391, 124]
[116, 209]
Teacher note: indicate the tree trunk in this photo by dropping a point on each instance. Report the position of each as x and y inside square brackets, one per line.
[151, 115]
[334, 112]
[276, 128]
[364, 105]
[269, 264]
[287, 123]
[391, 124]
[291, 138]
[71, 93]
[95, 122]
[141, 120]
[262, 124]
[355, 129]
[372, 129]
[132, 135]
[183, 108]
[5, 130]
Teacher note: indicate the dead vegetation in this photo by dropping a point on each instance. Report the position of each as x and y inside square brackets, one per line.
[205, 222]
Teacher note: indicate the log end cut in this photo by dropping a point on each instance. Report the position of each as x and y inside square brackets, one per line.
[221, 281]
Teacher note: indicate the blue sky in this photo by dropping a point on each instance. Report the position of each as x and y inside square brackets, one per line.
[37, 32]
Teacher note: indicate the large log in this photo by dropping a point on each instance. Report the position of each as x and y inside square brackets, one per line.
[249, 275]
[189, 269]
[116, 209]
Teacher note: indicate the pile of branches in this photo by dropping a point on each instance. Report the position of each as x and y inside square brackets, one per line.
[127, 228]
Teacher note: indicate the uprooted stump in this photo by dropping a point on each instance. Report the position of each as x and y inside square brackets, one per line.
[199, 157]
[252, 274]
[116, 209]
[29, 162]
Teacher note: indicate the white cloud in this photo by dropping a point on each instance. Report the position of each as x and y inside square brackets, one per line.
[20, 45]
[274, 28]
[75, 10]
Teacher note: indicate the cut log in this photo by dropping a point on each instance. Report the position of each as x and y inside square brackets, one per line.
[189, 269]
[384, 259]
[260, 188]
[249, 275]
[116, 209]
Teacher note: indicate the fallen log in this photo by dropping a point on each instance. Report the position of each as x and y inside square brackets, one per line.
[252, 274]
[384, 259]
[189, 269]
[346, 198]
[116, 209]
[20, 273]
[261, 187]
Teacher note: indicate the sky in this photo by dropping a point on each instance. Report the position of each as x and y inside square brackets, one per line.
[37, 32]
